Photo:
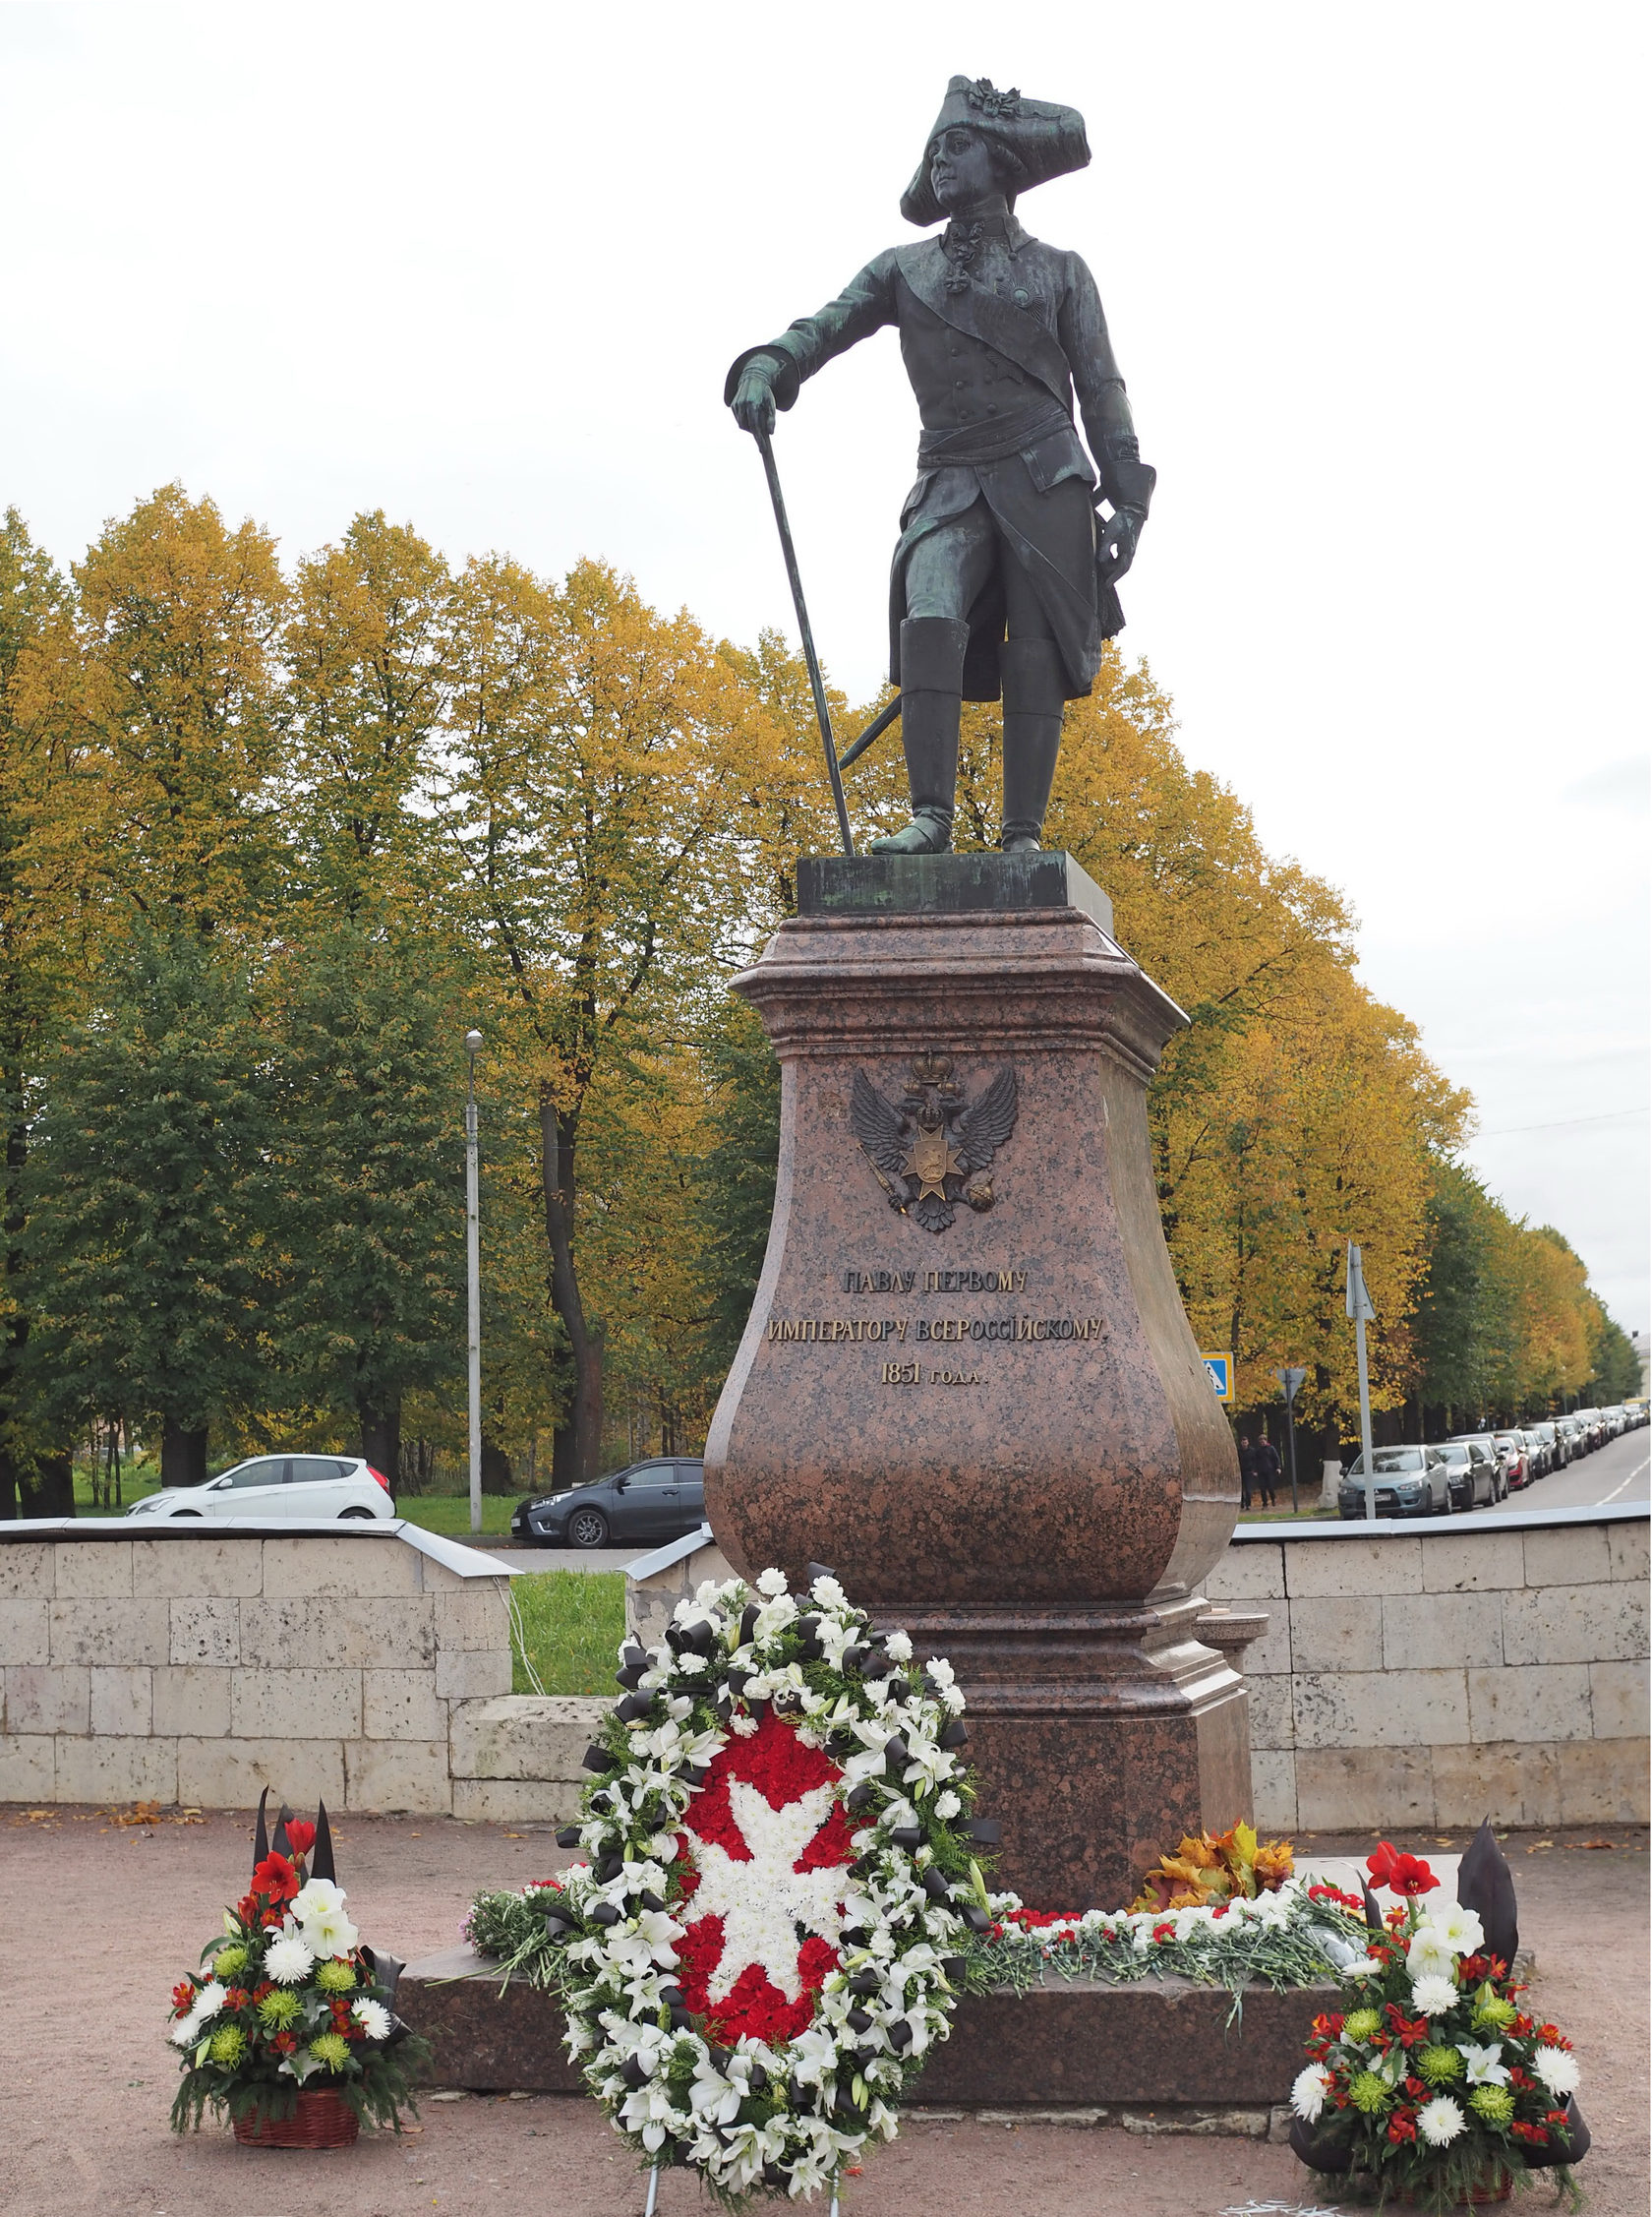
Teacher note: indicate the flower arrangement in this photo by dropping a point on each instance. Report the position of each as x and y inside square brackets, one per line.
[288, 2001]
[763, 1945]
[1435, 2084]
[1222, 1867]
[1292, 1936]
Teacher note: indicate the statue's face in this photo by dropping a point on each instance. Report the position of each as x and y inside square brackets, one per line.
[961, 170]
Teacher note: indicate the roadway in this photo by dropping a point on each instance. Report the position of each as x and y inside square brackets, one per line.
[1615, 1473]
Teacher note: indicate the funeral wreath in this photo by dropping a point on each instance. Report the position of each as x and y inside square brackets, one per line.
[765, 1940]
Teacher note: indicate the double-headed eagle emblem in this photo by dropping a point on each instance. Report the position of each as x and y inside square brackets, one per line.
[933, 1150]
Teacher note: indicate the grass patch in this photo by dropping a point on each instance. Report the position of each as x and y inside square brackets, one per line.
[449, 1513]
[572, 1624]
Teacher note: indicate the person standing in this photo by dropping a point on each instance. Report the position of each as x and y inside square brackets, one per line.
[1266, 1456]
[1247, 1470]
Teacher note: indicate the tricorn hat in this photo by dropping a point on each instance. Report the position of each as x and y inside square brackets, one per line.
[1046, 140]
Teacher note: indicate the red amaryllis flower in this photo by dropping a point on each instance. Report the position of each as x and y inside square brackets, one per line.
[236, 1997]
[301, 1838]
[183, 1998]
[284, 2043]
[1400, 1874]
[275, 1880]
[1401, 2128]
[1537, 2136]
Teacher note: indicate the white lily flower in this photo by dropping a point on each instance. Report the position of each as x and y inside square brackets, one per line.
[1485, 2064]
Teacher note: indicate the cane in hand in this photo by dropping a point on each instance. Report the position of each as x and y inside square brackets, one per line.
[822, 713]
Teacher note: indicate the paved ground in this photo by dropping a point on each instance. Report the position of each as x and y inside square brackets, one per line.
[98, 1920]
[1615, 1473]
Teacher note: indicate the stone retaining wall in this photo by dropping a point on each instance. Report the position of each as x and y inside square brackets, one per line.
[1432, 1676]
[195, 1667]
[1422, 1676]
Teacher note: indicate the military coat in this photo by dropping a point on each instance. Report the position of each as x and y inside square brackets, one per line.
[1000, 335]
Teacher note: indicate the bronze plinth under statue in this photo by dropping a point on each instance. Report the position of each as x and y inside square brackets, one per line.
[967, 1383]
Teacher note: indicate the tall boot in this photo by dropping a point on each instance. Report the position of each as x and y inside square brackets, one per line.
[931, 696]
[1035, 694]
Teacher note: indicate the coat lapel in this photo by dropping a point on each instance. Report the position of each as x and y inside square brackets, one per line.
[996, 323]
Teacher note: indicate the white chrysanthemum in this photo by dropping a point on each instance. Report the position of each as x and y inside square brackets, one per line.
[900, 1646]
[1559, 2071]
[373, 2017]
[771, 1583]
[947, 1804]
[1431, 1997]
[1309, 2091]
[288, 1960]
[1439, 2121]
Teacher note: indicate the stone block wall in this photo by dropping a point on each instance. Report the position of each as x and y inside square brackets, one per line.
[200, 1668]
[1434, 1676]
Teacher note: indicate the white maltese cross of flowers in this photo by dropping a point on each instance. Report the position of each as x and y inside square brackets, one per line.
[763, 1901]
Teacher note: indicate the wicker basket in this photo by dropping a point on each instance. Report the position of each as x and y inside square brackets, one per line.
[1496, 2185]
[321, 2119]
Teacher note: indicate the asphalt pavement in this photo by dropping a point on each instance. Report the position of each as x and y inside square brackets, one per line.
[1615, 1473]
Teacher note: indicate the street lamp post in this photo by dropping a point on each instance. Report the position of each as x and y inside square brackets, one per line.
[1291, 1379]
[1360, 1309]
[473, 1275]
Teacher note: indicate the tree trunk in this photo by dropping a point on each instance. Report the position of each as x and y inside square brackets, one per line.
[183, 1456]
[583, 1421]
[46, 1486]
[380, 1437]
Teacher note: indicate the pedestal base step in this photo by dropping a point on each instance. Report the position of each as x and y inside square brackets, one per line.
[1155, 2056]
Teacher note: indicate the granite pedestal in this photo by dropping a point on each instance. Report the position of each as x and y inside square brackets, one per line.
[1159, 2043]
[996, 1428]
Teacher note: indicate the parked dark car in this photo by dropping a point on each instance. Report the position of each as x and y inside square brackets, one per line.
[1476, 1476]
[653, 1501]
[1411, 1482]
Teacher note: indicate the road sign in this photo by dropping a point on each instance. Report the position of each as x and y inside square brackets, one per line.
[1220, 1368]
[1291, 1380]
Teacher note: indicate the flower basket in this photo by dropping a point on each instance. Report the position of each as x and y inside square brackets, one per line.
[1435, 2084]
[288, 2027]
[1498, 2186]
[321, 2119]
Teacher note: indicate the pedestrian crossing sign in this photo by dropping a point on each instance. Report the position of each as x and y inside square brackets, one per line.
[1220, 1368]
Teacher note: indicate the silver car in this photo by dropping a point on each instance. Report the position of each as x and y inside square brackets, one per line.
[1409, 1481]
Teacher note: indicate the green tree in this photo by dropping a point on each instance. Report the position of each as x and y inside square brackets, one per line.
[368, 1155]
[150, 1204]
[737, 1177]
[35, 647]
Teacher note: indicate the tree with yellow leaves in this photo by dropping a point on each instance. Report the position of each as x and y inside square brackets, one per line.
[590, 750]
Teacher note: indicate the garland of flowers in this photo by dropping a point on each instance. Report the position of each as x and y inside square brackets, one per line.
[763, 1947]
[1436, 2081]
[287, 1996]
[1292, 1936]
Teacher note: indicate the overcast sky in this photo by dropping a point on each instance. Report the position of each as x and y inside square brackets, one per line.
[1374, 277]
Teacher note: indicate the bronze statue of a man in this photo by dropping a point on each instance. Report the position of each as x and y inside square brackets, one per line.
[1004, 575]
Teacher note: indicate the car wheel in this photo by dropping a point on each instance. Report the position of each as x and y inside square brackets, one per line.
[588, 1528]
[195, 1513]
[345, 1515]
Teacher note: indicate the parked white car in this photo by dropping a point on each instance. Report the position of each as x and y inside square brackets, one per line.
[278, 1489]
